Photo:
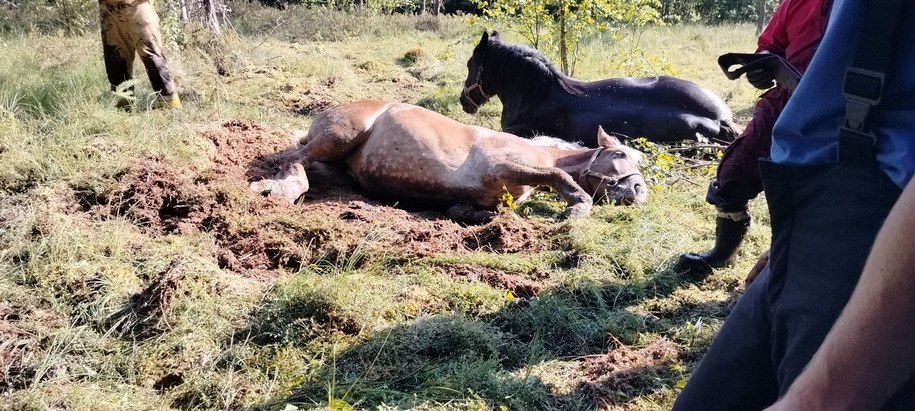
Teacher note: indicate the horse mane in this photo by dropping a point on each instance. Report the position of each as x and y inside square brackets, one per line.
[533, 60]
[553, 142]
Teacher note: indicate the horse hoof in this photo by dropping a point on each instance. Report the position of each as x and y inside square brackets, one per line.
[260, 187]
[580, 211]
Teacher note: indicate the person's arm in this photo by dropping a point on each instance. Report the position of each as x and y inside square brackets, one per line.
[869, 352]
[774, 38]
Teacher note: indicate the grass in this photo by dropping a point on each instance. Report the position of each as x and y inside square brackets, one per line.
[99, 312]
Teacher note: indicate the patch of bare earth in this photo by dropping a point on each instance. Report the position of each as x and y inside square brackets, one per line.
[519, 285]
[255, 234]
[627, 372]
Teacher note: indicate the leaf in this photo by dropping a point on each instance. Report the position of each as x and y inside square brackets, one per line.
[681, 383]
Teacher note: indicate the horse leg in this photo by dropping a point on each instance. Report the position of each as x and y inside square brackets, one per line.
[466, 214]
[578, 201]
[290, 183]
[332, 137]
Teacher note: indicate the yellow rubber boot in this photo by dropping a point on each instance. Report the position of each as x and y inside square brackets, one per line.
[168, 104]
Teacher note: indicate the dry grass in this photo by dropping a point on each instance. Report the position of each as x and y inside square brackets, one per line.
[137, 271]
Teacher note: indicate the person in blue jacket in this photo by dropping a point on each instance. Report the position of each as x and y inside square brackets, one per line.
[788, 344]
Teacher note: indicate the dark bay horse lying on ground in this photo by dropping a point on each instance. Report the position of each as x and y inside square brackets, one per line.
[537, 99]
[400, 152]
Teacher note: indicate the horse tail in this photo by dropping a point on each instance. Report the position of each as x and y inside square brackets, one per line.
[729, 131]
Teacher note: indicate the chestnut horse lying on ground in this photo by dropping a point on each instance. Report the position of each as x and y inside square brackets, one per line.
[403, 153]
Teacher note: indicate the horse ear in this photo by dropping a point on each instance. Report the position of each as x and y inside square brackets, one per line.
[605, 140]
[484, 40]
[495, 34]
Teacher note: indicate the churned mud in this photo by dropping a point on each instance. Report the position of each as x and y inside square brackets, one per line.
[254, 234]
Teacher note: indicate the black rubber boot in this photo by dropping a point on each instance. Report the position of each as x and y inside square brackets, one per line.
[728, 236]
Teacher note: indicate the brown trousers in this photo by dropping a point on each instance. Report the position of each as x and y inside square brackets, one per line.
[131, 27]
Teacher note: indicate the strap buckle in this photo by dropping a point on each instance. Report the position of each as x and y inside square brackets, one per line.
[863, 90]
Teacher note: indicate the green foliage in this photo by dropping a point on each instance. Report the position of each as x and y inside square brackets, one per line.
[559, 26]
[664, 165]
[373, 6]
[713, 11]
[71, 17]
[634, 61]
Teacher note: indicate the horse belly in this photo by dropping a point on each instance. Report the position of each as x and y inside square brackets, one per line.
[398, 171]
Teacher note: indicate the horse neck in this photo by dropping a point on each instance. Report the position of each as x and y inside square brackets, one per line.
[572, 161]
[536, 79]
[539, 82]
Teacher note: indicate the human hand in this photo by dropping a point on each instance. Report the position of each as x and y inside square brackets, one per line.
[762, 78]
[798, 402]
[781, 406]
[757, 268]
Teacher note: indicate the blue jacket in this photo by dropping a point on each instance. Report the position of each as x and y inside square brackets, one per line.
[807, 131]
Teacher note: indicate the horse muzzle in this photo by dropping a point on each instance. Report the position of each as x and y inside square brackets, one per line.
[473, 97]
[627, 190]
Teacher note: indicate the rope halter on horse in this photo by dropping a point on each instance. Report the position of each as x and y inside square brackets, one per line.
[611, 181]
[477, 86]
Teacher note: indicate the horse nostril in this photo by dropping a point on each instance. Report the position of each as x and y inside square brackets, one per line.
[639, 188]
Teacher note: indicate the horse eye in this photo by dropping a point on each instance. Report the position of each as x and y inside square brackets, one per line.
[619, 154]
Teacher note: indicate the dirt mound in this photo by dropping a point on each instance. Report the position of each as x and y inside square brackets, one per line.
[245, 149]
[510, 236]
[518, 285]
[627, 372]
[156, 196]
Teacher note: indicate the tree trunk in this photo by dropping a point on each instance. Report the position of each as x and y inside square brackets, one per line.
[210, 18]
[761, 16]
[182, 11]
[563, 47]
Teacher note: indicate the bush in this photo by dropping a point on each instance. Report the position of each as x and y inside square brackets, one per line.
[712, 11]
[297, 23]
[71, 17]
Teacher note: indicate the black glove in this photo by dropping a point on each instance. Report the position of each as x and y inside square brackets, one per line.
[761, 78]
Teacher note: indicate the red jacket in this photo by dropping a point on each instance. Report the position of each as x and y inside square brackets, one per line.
[795, 30]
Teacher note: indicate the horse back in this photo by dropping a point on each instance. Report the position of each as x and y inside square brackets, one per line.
[661, 92]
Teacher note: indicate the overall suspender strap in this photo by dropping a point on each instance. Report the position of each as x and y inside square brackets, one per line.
[864, 81]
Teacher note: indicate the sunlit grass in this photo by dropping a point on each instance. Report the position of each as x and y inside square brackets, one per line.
[366, 327]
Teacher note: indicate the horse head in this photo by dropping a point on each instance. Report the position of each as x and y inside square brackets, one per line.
[612, 174]
[478, 88]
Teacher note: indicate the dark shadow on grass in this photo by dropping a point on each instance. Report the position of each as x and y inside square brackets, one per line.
[454, 356]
